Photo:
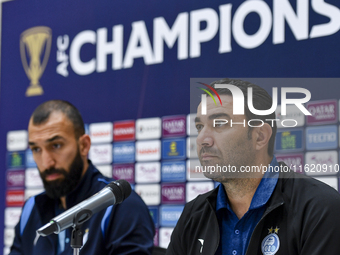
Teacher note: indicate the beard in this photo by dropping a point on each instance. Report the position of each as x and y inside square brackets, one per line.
[63, 186]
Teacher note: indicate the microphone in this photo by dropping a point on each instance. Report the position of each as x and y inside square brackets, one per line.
[114, 193]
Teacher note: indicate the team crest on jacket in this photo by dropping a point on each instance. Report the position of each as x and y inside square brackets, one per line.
[271, 243]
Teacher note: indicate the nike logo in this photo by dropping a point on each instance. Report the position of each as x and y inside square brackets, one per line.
[202, 242]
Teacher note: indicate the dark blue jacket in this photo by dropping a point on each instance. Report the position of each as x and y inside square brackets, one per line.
[126, 228]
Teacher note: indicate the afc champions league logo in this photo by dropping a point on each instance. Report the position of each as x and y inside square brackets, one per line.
[35, 47]
[271, 243]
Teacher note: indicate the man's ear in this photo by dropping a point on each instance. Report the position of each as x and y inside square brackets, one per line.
[84, 145]
[263, 136]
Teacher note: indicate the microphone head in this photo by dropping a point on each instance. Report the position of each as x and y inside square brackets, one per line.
[121, 189]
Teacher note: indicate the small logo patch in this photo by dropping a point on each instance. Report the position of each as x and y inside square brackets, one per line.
[271, 243]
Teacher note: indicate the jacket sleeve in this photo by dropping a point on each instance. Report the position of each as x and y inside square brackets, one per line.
[176, 245]
[131, 229]
[321, 225]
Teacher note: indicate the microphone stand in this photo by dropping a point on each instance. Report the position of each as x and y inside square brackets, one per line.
[77, 233]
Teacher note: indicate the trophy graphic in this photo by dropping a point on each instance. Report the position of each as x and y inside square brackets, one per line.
[35, 46]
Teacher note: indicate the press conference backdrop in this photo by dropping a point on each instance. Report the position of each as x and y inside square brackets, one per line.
[126, 65]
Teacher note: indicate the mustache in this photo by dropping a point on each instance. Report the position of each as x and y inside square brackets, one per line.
[208, 150]
[53, 170]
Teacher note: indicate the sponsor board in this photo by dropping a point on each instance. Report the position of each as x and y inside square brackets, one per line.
[106, 170]
[150, 128]
[17, 140]
[321, 163]
[323, 112]
[164, 237]
[192, 147]
[194, 171]
[173, 126]
[156, 237]
[16, 160]
[191, 127]
[148, 172]
[32, 192]
[101, 132]
[12, 216]
[101, 153]
[173, 171]
[294, 117]
[124, 130]
[197, 188]
[154, 213]
[15, 198]
[29, 159]
[289, 140]
[150, 193]
[87, 129]
[324, 137]
[169, 215]
[124, 171]
[15, 178]
[331, 181]
[124, 152]
[173, 193]
[173, 148]
[148, 150]
[32, 178]
[7, 250]
[9, 234]
[294, 161]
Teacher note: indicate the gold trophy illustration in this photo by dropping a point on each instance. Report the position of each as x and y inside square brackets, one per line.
[33, 43]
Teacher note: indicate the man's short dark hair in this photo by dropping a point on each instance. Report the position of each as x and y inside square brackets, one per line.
[261, 101]
[43, 111]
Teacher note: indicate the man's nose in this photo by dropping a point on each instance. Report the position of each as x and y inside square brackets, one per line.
[205, 138]
[47, 160]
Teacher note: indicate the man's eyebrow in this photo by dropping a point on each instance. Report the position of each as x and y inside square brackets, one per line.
[219, 115]
[57, 137]
[197, 119]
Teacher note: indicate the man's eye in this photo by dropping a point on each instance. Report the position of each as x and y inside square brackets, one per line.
[199, 127]
[35, 149]
[56, 145]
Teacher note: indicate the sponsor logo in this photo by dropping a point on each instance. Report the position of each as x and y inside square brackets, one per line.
[101, 154]
[323, 112]
[29, 159]
[124, 152]
[150, 193]
[164, 237]
[318, 159]
[192, 173]
[169, 215]
[15, 178]
[101, 132]
[197, 188]
[293, 115]
[148, 128]
[191, 127]
[9, 234]
[15, 160]
[293, 161]
[124, 171]
[173, 171]
[35, 44]
[154, 215]
[148, 150]
[192, 147]
[318, 138]
[173, 148]
[148, 172]
[12, 216]
[124, 130]
[174, 126]
[32, 178]
[106, 170]
[173, 193]
[17, 140]
[289, 140]
[15, 198]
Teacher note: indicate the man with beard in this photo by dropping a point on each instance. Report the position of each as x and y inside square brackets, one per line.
[60, 146]
[252, 212]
